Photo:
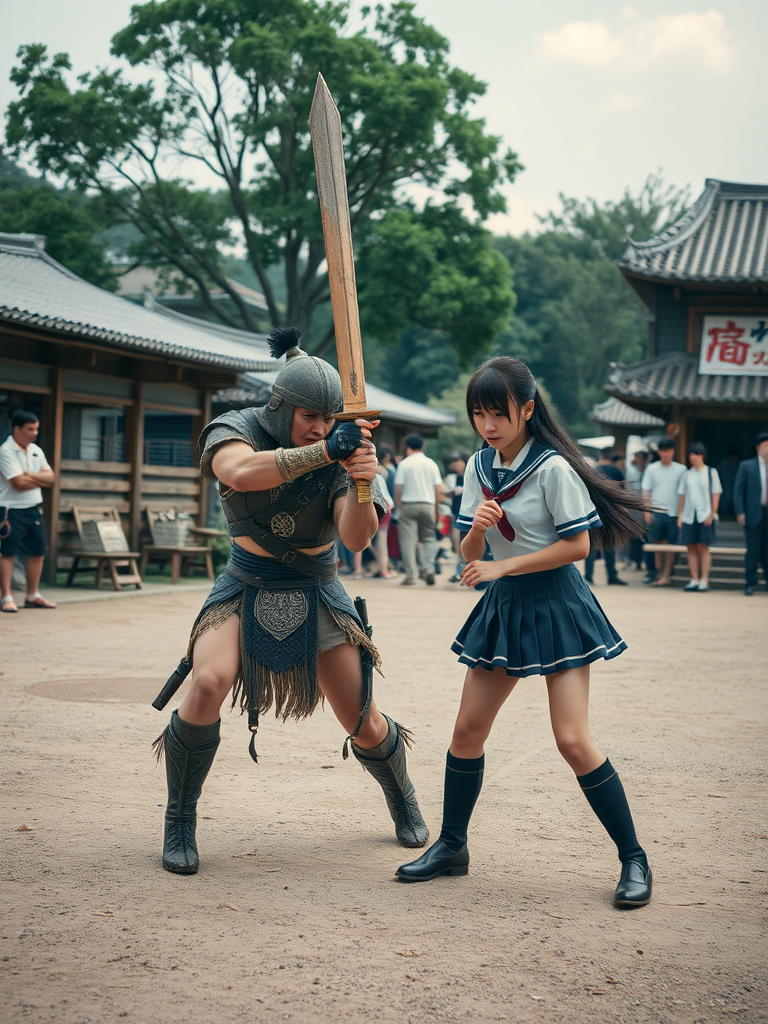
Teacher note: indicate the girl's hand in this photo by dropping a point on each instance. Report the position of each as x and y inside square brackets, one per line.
[480, 572]
[487, 515]
[708, 520]
[679, 522]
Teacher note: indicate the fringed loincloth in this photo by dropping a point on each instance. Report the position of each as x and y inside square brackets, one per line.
[278, 609]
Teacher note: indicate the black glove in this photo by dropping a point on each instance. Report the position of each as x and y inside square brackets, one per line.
[345, 439]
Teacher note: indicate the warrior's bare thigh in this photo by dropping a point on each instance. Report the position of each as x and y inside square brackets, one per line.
[215, 668]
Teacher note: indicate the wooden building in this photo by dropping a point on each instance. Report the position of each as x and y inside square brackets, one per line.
[121, 391]
[704, 282]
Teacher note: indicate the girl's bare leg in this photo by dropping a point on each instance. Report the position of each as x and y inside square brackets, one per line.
[568, 694]
[705, 560]
[694, 565]
[482, 698]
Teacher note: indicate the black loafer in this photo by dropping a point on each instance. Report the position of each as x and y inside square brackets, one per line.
[438, 860]
[635, 885]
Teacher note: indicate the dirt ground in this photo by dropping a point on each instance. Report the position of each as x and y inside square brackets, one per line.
[295, 914]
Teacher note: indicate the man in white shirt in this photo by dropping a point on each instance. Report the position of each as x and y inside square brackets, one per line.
[24, 470]
[660, 482]
[418, 493]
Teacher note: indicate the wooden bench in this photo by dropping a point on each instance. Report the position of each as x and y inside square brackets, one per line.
[181, 556]
[681, 549]
[113, 560]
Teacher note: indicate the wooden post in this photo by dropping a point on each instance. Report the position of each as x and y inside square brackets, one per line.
[197, 425]
[683, 437]
[135, 438]
[54, 502]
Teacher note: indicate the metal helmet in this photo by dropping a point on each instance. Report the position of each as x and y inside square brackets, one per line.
[303, 382]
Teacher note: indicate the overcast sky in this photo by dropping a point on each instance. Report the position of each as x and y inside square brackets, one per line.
[593, 95]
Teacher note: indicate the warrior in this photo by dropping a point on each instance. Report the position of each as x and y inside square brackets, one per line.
[278, 629]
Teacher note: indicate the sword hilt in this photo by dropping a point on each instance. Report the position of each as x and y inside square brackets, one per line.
[364, 496]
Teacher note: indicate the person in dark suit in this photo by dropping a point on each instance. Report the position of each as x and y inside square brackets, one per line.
[750, 499]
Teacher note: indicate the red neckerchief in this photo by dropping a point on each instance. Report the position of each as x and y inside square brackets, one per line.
[502, 484]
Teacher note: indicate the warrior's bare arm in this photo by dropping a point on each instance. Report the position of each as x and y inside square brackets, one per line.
[238, 466]
[357, 523]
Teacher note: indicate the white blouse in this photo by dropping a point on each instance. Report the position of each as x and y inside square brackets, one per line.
[553, 502]
[695, 485]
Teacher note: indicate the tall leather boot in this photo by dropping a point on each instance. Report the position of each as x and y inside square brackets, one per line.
[386, 763]
[189, 753]
[605, 795]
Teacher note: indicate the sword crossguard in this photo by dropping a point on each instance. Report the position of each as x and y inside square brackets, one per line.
[363, 414]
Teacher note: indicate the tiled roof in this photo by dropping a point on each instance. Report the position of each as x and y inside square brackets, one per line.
[37, 291]
[675, 377]
[257, 343]
[722, 237]
[616, 414]
[393, 407]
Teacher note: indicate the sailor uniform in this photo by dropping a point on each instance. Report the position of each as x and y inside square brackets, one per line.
[541, 622]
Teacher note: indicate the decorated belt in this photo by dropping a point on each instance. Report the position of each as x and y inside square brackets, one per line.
[292, 583]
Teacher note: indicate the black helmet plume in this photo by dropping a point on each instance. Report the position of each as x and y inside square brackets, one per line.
[282, 339]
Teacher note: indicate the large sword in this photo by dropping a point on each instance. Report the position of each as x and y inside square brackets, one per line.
[327, 143]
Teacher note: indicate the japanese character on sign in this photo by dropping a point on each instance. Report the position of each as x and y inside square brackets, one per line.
[728, 340]
[734, 344]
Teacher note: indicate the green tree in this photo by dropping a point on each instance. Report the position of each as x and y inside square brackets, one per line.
[603, 228]
[575, 314]
[234, 85]
[72, 223]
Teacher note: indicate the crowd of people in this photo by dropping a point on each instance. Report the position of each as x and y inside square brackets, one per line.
[683, 508]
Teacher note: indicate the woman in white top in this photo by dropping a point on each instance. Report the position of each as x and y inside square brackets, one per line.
[533, 498]
[699, 493]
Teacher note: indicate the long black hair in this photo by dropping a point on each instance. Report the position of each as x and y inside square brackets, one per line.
[502, 380]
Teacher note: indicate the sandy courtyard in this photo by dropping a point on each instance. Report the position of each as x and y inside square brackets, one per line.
[295, 914]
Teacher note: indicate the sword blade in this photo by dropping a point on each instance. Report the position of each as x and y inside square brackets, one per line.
[327, 144]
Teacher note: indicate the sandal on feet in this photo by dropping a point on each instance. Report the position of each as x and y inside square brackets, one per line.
[38, 602]
[7, 604]
[661, 583]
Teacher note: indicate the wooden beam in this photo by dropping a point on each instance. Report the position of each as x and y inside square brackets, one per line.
[54, 503]
[186, 472]
[198, 426]
[135, 438]
[107, 485]
[81, 466]
[31, 389]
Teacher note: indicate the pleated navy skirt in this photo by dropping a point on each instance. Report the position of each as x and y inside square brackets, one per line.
[537, 624]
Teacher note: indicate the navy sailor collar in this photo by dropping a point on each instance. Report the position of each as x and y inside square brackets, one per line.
[500, 479]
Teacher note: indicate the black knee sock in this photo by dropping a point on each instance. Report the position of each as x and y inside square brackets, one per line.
[463, 782]
[606, 797]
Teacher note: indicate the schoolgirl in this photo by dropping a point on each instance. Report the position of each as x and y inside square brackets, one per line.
[533, 498]
[699, 493]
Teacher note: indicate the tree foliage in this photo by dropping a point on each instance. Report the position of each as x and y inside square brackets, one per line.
[231, 95]
[575, 313]
[72, 224]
